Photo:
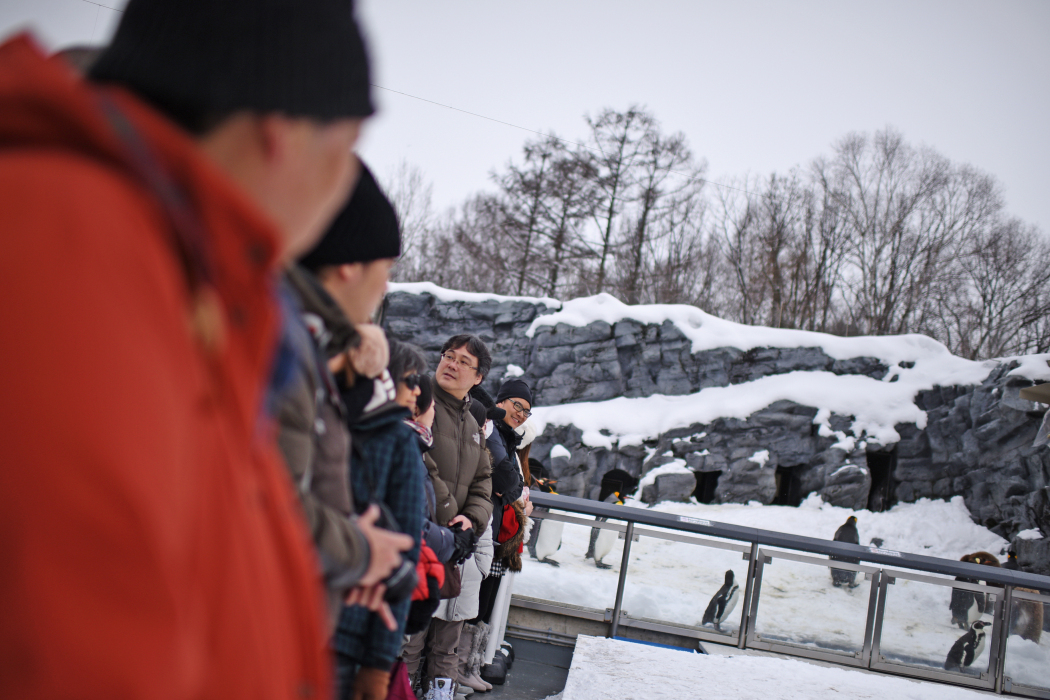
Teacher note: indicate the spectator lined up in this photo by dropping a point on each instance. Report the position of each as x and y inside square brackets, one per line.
[222, 399]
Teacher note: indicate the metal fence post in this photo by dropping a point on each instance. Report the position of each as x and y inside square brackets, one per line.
[628, 537]
[869, 626]
[749, 587]
[1003, 621]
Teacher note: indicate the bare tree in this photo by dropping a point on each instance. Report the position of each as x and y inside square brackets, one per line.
[619, 139]
[569, 201]
[1001, 300]
[411, 196]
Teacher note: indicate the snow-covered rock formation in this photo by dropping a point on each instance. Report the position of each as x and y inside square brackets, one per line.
[863, 421]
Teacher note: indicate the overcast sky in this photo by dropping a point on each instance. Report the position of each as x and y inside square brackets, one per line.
[756, 87]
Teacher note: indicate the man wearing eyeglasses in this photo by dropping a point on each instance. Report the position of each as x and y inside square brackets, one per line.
[461, 471]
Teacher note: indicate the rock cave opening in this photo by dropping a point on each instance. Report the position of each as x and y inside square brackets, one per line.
[789, 487]
[706, 483]
[882, 495]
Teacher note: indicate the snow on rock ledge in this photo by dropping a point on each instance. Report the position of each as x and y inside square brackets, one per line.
[639, 387]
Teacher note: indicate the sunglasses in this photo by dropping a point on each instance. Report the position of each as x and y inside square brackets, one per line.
[413, 381]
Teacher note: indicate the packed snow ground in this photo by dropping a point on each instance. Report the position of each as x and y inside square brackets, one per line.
[673, 581]
[599, 671]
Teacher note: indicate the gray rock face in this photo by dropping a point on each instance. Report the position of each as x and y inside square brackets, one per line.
[670, 487]
[977, 442]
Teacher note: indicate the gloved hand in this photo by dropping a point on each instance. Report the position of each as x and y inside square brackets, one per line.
[465, 544]
[371, 684]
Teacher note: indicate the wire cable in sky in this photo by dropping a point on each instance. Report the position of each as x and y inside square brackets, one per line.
[540, 133]
[89, 2]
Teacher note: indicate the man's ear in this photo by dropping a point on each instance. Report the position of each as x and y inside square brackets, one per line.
[272, 132]
[478, 380]
[350, 272]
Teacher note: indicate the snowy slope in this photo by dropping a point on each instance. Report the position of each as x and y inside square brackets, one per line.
[599, 672]
[673, 582]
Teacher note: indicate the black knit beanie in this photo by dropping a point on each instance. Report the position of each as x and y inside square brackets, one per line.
[514, 389]
[302, 59]
[366, 229]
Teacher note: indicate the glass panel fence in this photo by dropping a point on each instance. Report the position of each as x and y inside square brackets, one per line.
[556, 563]
[928, 623]
[804, 602]
[675, 579]
[1027, 666]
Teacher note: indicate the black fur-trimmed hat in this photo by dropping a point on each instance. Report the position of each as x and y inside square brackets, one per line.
[366, 229]
[303, 59]
[492, 411]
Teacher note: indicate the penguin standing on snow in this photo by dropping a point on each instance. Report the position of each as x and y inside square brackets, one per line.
[967, 606]
[963, 606]
[846, 533]
[966, 648]
[722, 603]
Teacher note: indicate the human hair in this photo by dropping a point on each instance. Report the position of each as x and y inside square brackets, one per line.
[405, 357]
[475, 346]
[426, 395]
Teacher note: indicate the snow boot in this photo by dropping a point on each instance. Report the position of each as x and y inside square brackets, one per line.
[468, 647]
[441, 689]
[477, 651]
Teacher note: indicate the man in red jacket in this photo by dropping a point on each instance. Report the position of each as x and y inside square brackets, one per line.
[152, 545]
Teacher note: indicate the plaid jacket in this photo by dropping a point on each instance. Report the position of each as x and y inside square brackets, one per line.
[384, 468]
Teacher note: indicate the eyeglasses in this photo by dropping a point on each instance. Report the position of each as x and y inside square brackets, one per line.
[453, 360]
[520, 409]
[413, 381]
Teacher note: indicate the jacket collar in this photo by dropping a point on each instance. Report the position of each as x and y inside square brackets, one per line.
[457, 405]
[326, 322]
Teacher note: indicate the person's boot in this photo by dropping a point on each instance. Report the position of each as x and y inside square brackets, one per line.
[466, 646]
[477, 651]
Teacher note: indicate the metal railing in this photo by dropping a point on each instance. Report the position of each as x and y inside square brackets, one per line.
[881, 567]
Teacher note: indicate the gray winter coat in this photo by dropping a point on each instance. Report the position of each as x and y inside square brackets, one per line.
[315, 443]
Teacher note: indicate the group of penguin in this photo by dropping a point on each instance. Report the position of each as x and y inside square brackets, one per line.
[966, 606]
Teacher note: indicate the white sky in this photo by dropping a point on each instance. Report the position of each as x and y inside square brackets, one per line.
[756, 86]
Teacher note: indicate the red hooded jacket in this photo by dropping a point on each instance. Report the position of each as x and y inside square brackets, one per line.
[150, 542]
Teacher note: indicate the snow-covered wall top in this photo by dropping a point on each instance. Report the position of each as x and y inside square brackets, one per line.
[641, 387]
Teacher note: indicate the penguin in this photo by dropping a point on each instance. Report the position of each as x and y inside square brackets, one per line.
[548, 541]
[967, 648]
[602, 541]
[961, 604]
[602, 546]
[964, 606]
[847, 532]
[1011, 562]
[722, 603]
